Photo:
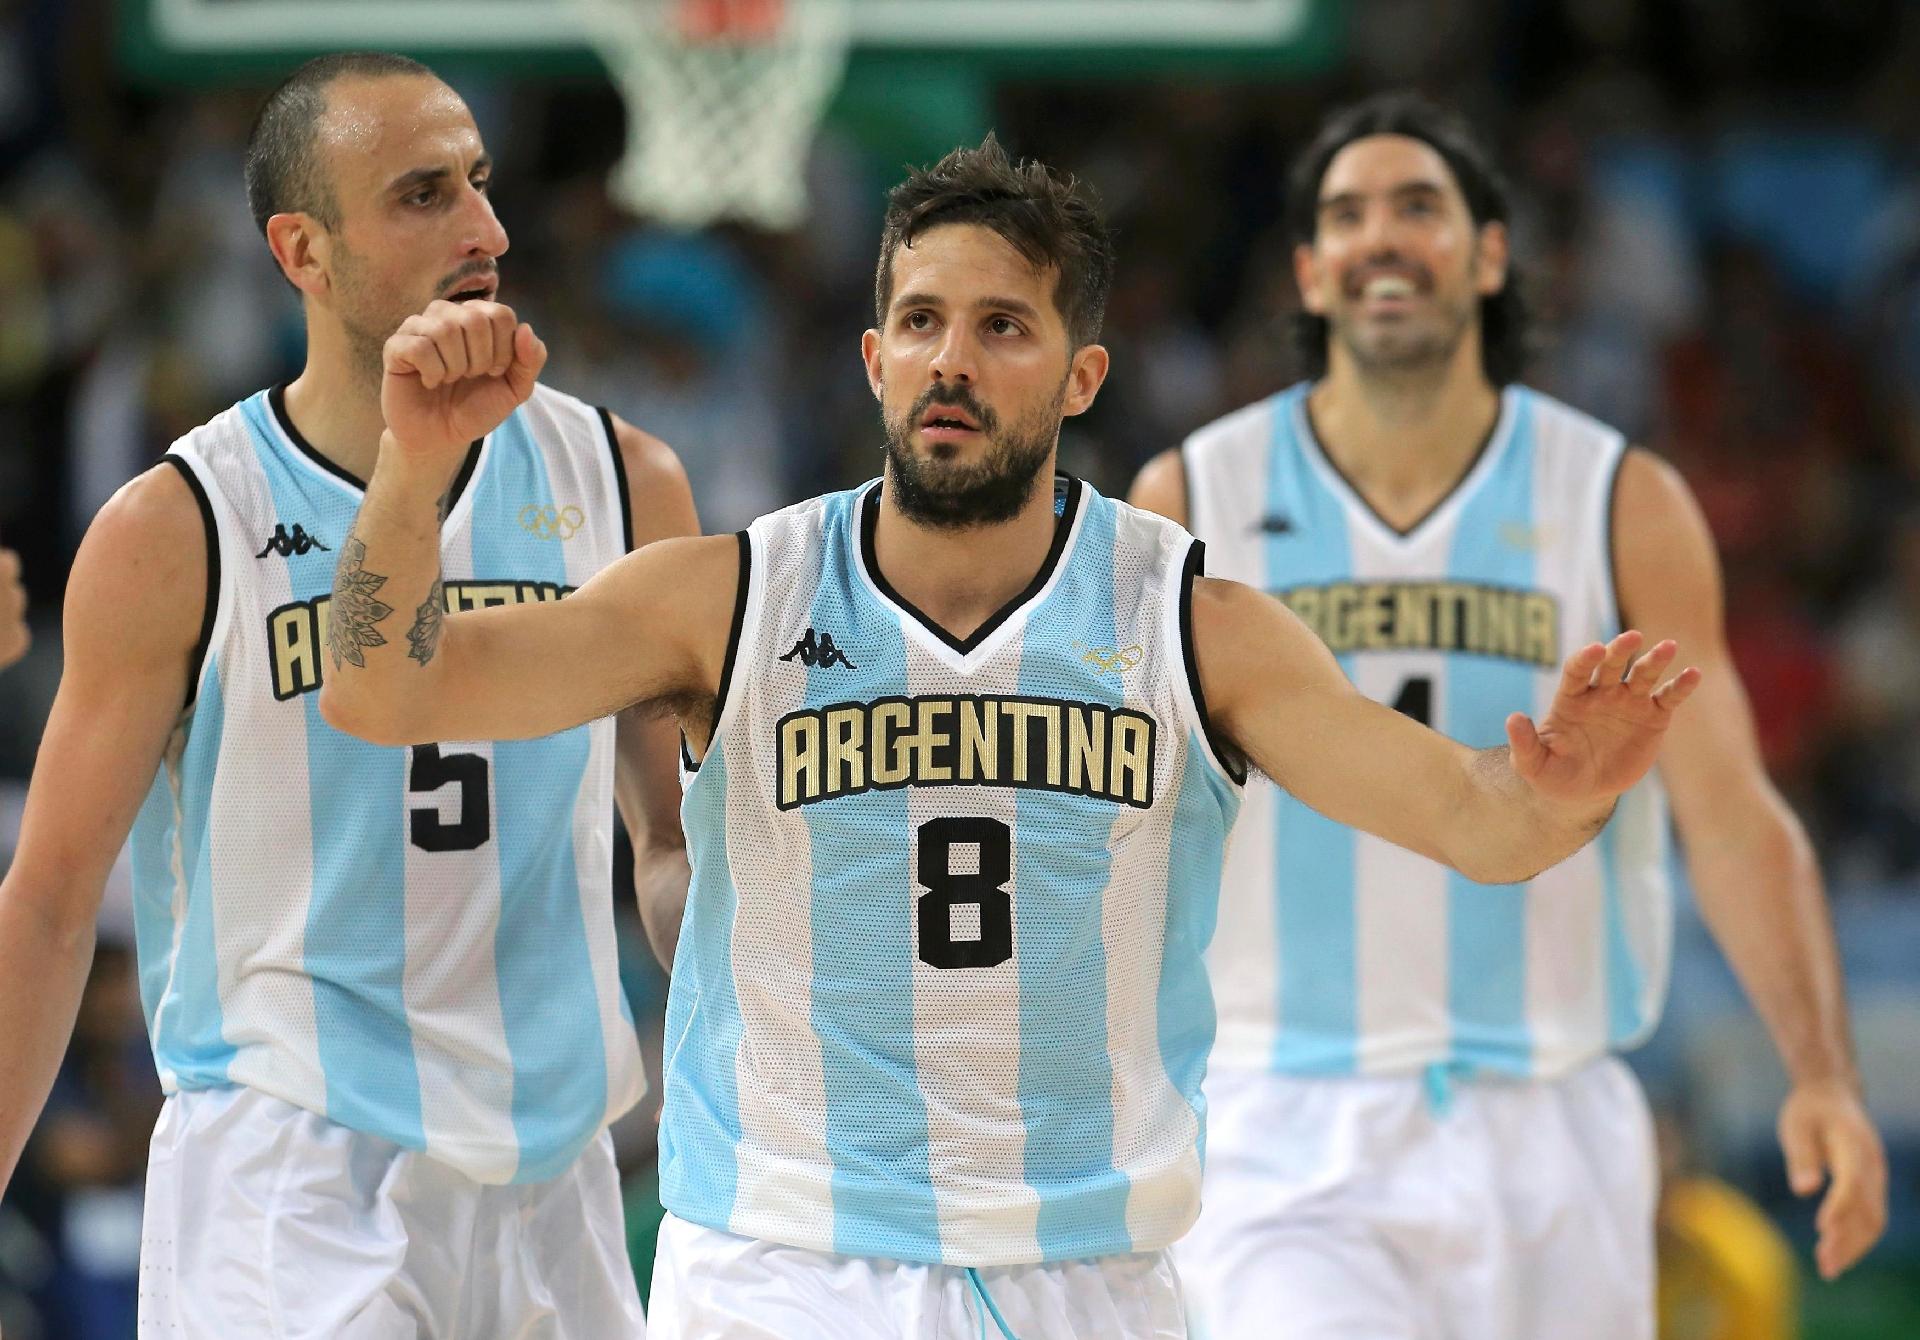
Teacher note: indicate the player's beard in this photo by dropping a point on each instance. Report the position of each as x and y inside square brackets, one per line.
[1429, 341]
[368, 313]
[948, 495]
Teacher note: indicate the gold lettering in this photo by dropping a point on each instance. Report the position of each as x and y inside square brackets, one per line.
[979, 741]
[799, 760]
[1412, 616]
[1501, 626]
[1087, 748]
[1019, 715]
[1131, 766]
[1542, 640]
[926, 739]
[1446, 617]
[891, 744]
[1341, 600]
[844, 750]
[296, 668]
[1306, 604]
[1370, 619]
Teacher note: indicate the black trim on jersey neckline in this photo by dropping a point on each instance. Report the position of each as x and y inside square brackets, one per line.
[1062, 528]
[733, 652]
[619, 477]
[1229, 757]
[1452, 491]
[211, 609]
[277, 401]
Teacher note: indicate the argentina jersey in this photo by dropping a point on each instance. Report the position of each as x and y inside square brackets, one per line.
[1339, 953]
[414, 943]
[940, 991]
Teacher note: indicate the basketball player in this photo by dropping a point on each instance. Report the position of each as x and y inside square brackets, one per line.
[1419, 1129]
[970, 739]
[380, 983]
[14, 636]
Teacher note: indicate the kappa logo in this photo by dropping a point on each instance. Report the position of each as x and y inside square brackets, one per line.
[551, 523]
[287, 545]
[818, 649]
[1274, 523]
[1115, 660]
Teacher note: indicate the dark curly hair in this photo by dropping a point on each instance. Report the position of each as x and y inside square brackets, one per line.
[1049, 219]
[1503, 315]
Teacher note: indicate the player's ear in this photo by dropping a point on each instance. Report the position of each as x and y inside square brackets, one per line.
[299, 246]
[870, 355]
[1306, 278]
[1490, 260]
[1084, 377]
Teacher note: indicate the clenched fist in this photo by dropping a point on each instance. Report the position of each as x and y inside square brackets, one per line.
[453, 372]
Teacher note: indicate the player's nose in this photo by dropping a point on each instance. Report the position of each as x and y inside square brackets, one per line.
[485, 234]
[957, 356]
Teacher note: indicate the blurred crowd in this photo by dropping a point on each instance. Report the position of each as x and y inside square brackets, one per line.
[1719, 231]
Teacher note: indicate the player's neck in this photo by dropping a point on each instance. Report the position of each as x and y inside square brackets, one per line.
[961, 578]
[336, 406]
[1404, 441]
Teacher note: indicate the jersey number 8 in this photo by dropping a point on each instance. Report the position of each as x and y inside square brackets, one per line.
[950, 889]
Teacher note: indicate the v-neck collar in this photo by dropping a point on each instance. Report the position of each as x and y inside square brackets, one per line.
[1484, 461]
[1070, 497]
[277, 403]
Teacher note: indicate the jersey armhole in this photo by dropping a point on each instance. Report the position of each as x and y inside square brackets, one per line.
[619, 478]
[1193, 698]
[210, 609]
[723, 695]
[1609, 504]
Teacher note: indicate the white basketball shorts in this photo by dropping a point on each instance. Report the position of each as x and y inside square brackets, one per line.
[1372, 1209]
[263, 1219]
[709, 1285]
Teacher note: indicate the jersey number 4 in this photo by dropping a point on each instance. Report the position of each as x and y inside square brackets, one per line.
[430, 770]
[951, 889]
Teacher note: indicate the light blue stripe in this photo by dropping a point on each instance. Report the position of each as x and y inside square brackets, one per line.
[863, 882]
[1203, 818]
[191, 1041]
[1625, 976]
[548, 1004]
[1066, 1078]
[150, 848]
[355, 947]
[1315, 906]
[700, 1126]
[1487, 924]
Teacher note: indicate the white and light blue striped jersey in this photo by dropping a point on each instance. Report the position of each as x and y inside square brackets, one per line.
[414, 943]
[940, 992]
[1340, 953]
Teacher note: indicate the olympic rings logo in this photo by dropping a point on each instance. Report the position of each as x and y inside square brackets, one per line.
[551, 523]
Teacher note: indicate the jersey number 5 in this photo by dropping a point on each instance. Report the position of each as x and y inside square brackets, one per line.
[980, 888]
[432, 770]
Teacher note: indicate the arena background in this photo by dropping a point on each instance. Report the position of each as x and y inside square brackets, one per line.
[1720, 224]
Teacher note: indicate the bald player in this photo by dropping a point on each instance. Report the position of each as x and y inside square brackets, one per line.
[380, 983]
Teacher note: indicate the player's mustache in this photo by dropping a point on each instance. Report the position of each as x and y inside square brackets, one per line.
[958, 397]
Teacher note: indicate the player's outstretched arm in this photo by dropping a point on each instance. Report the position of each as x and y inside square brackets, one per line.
[1496, 815]
[133, 616]
[401, 671]
[1754, 872]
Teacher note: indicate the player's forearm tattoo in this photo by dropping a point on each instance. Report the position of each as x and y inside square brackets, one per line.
[423, 639]
[354, 610]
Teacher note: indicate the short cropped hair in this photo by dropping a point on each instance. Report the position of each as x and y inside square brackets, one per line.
[1503, 315]
[282, 173]
[1050, 219]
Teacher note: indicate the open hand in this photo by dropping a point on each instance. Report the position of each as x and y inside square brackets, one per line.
[1604, 728]
[1829, 1139]
[453, 372]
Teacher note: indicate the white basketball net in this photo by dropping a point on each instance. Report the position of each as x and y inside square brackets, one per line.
[718, 127]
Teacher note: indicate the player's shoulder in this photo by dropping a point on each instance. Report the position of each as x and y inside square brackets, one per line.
[1556, 425]
[1247, 429]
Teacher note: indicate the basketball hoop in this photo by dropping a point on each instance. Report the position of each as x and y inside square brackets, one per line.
[723, 97]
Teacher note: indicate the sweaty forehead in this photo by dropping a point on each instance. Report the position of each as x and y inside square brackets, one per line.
[1378, 163]
[375, 129]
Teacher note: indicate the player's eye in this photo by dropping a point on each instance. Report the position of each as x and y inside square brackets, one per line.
[423, 196]
[918, 320]
[1001, 325]
[482, 184]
